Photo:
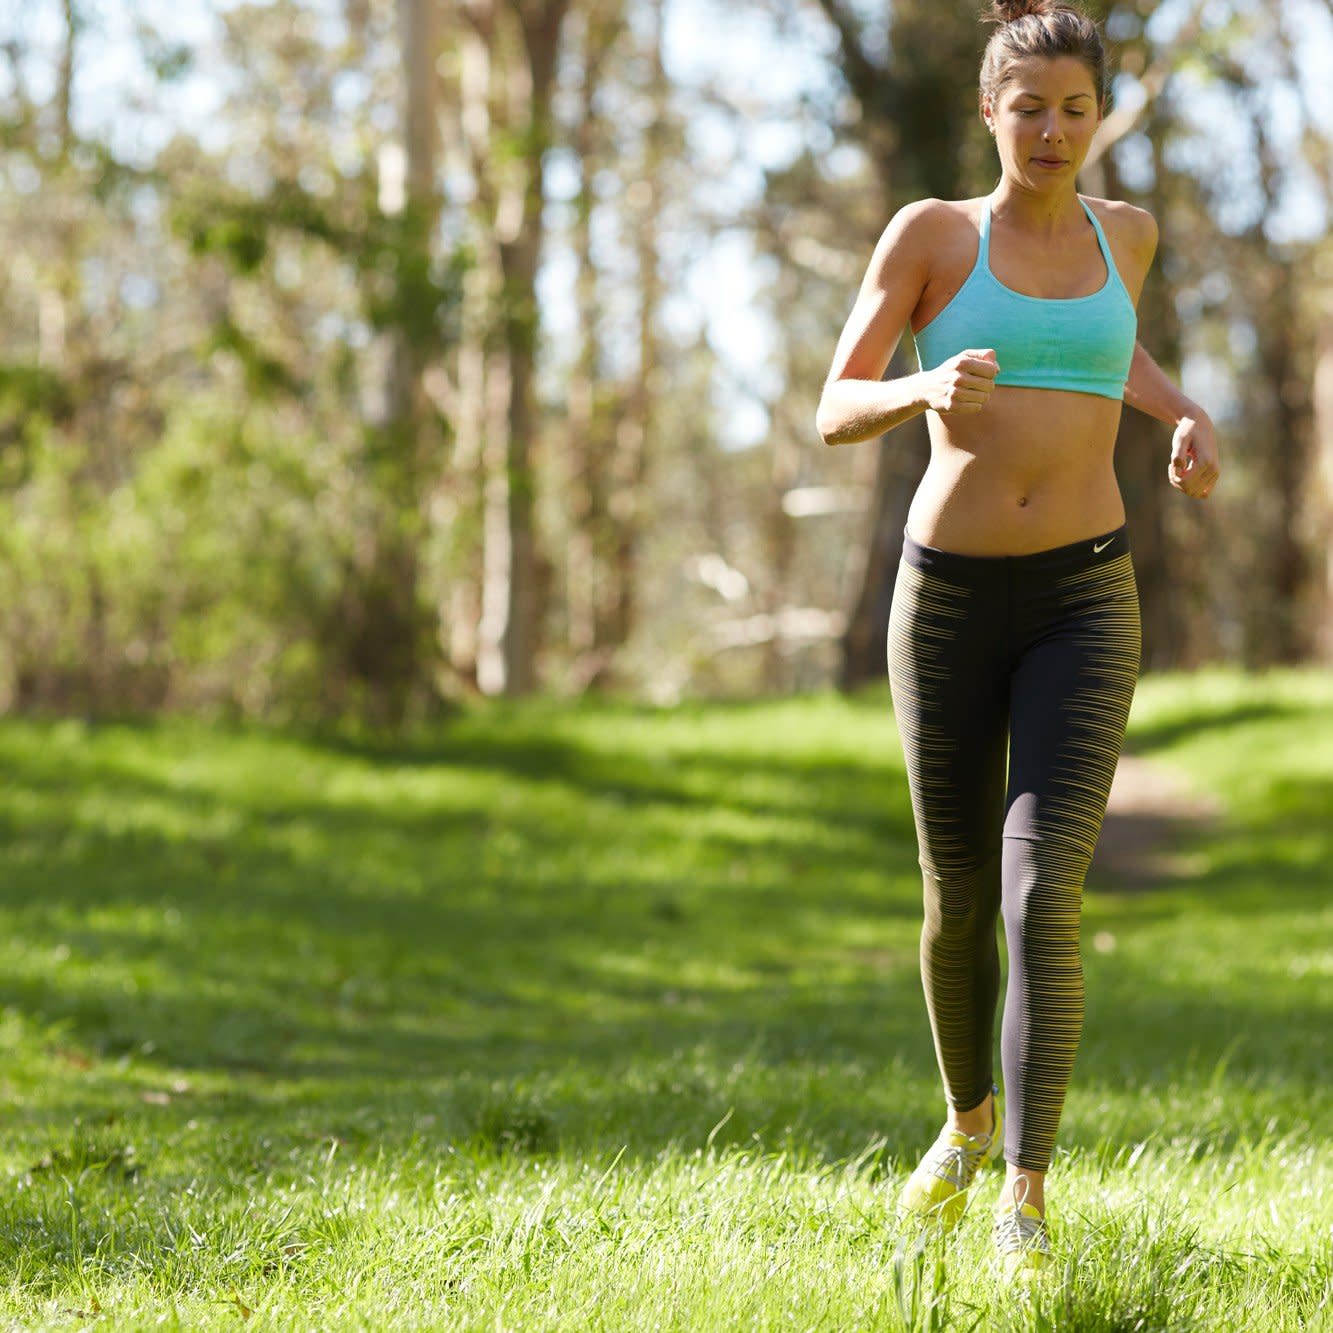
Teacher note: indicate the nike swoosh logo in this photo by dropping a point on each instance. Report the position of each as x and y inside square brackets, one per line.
[1103, 546]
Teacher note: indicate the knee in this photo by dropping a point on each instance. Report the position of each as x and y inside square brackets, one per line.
[964, 900]
[1043, 896]
[1046, 873]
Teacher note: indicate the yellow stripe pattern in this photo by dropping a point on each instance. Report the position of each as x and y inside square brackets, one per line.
[1008, 661]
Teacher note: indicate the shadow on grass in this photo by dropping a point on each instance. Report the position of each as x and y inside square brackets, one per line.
[1145, 738]
[526, 1000]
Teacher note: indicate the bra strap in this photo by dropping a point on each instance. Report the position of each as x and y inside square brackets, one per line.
[1101, 238]
[983, 243]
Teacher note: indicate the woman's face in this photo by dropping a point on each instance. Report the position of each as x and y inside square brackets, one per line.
[1044, 120]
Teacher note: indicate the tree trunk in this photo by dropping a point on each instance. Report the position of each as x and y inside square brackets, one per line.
[511, 610]
[460, 508]
[588, 449]
[387, 640]
[1287, 636]
[1321, 500]
[901, 459]
[911, 100]
[1142, 452]
[787, 448]
[65, 78]
[1283, 626]
[635, 430]
[581, 449]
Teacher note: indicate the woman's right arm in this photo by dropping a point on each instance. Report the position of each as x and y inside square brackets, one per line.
[856, 403]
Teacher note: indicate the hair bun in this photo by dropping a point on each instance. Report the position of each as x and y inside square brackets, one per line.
[1006, 11]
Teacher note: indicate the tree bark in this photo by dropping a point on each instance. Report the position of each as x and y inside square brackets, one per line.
[583, 447]
[635, 432]
[1287, 638]
[590, 590]
[909, 100]
[781, 535]
[65, 78]
[388, 654]
[900, 459]
[1321, 499]
[511, 610]
[1142, 452]
[460, 507]
[1283, 627]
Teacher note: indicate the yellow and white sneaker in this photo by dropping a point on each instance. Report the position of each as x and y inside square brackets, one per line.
[1021, 1239]
[937, 1190]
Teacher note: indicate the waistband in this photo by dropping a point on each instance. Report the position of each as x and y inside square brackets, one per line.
[1053, 561]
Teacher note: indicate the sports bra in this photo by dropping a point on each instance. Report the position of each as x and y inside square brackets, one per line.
[1081, 343]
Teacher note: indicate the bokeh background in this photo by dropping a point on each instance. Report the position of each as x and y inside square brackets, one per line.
[366, 364]
[360, 357]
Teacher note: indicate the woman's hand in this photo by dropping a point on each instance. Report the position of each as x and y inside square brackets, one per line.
[963, 383]
[1194, 468]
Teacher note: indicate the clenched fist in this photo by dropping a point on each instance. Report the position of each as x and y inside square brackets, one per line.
[963, 383]
[1194, 468]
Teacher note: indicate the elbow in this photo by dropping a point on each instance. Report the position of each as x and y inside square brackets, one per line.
[827, 424]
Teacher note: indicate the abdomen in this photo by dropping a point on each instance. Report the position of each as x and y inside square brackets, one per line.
[1033, 469]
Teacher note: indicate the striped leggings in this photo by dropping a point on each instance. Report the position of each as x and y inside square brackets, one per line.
[1032, 658]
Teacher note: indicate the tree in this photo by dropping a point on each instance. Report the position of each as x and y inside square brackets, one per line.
[915, 114]
[506, 123]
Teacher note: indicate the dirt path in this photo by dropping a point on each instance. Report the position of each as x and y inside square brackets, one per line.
[1150, 810]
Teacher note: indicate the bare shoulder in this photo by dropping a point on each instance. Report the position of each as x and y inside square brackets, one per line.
[906, 261]
[919, 223]
[923, 234]
[1134, 228]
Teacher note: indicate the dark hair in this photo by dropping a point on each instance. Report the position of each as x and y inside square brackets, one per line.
[1047, 28]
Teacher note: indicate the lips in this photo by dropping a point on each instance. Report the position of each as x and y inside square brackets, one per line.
[1051, 161]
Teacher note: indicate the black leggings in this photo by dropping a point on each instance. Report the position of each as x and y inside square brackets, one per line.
[1035, 656]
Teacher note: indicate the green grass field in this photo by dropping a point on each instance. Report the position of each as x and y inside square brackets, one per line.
[609, 1018]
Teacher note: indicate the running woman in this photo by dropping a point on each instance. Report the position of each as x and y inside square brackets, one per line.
[1014, 635]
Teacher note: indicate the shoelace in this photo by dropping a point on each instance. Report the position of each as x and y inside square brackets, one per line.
[1014, 1231]
[958, 1163]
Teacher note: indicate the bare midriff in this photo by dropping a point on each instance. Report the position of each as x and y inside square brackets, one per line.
[1032, 470]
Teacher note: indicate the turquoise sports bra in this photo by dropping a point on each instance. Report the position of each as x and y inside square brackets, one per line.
[1082, 343]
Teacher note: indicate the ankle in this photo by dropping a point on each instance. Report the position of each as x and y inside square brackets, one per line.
[1020, 1187]
[979, 1120]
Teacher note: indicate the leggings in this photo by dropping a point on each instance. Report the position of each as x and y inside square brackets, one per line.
[1032, 658]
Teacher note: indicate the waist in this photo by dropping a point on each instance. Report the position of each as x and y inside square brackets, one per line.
[985, 509]
[990, 570]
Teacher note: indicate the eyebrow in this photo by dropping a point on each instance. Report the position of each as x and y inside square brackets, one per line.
[1037, 97]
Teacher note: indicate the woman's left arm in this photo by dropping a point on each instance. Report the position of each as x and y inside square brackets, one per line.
[1193, 468]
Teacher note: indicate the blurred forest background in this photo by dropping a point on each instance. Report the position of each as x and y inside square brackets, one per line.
[360, 356]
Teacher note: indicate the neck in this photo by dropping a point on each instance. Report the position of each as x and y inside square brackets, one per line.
[1045, 211]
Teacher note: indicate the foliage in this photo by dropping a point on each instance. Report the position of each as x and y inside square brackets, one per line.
[254, 416]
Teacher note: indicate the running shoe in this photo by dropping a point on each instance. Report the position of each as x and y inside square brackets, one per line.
[937, 1190]
[1021, 1238]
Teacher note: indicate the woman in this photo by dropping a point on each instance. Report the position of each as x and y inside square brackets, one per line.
[1014, 635]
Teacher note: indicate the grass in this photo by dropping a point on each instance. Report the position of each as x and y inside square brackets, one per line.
[608, 1017]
